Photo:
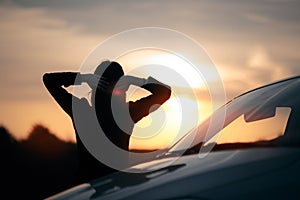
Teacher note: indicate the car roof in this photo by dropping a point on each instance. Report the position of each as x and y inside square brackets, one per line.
[267, 85]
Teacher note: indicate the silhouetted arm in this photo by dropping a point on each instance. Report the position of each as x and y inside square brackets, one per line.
[54, 83]
[143, 107]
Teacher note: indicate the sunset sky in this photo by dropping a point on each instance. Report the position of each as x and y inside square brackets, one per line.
[252, 42]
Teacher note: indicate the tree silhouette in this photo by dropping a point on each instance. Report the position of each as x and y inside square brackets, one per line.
[41, 142]
[37, 167]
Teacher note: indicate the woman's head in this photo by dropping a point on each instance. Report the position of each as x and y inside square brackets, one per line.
[111, 71]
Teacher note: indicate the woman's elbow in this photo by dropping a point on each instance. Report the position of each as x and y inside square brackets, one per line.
[49, 80]
[46, 78]
[166, 93]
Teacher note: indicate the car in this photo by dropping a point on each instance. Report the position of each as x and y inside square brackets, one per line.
[252, 152]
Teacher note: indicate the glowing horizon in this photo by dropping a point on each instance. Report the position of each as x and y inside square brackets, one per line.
[150, 62]
[58, 36]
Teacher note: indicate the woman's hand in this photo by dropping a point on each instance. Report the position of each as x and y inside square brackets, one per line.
[125, 81]
[95, 81]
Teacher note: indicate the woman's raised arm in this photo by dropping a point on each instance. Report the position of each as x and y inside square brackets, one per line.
[54, 82]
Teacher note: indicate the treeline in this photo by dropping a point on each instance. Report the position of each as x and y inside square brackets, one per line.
[37, 167]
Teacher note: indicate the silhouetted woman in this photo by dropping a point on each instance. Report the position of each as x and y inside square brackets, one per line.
[104, 89]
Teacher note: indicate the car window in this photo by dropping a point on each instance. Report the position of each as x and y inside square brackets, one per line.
[240, 131]
[258, 115]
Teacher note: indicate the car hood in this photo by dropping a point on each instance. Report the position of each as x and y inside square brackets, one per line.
[170, 178]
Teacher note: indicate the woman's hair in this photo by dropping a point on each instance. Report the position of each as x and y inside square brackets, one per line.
[111, 71]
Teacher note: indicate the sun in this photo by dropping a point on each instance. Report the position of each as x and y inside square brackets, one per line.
[181, 112]
[149, 58]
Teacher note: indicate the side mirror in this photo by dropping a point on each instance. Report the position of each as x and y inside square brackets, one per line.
[259, 114]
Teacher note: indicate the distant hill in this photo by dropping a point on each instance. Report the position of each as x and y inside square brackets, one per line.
[41, 165]
[41, 142]
[37, 167]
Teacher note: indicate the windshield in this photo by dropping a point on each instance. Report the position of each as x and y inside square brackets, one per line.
[265, 114]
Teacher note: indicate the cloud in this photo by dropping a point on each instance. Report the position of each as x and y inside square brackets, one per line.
[258, 18]
[61, 33]
[114, 16]
[262, 63]
[33, 43]
[251, 42]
